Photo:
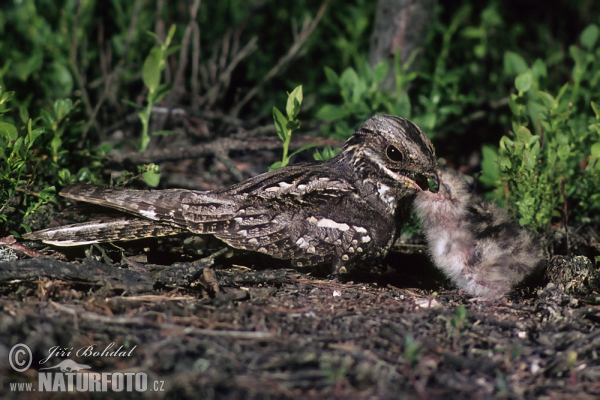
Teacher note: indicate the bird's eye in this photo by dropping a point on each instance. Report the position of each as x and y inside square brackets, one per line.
[394, 154]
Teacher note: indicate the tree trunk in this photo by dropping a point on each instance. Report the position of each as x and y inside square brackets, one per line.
[400, 25]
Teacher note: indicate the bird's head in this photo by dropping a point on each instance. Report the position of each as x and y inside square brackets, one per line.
[398, 151]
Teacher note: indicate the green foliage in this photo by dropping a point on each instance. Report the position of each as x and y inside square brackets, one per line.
[457, 324]
[413, 350]
[565, 144]
[151, 72]
[439, 94]
[325, 154]
[361, 97]
[17, 176]
[285, 126]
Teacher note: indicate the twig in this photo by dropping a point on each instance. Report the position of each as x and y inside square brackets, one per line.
[178, 81]
[215, 147]
[68, 310]
[73, 64]
[196, 54]
[304, 34]
[109, 78]
[565, 215]
[10, 242]
[225, 76]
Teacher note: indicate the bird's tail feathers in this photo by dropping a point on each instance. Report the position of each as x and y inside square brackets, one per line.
[157, 205]
[122, 229]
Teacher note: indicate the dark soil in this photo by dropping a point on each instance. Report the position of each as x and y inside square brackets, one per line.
[236, 332]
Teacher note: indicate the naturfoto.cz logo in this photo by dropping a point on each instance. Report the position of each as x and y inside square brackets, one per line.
[70, 376]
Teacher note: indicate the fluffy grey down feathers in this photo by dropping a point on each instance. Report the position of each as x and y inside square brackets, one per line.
[473, 242]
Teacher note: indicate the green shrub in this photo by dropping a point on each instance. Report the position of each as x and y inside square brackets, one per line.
[555, 138]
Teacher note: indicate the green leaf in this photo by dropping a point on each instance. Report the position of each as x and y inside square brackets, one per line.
[47, 194]
[515, 108]
[330, 112]
[56, 145]
[529, 160]
[514, 64]
[349, 79]
[331, 76]
[170, 35]
[280, 123]
[9, 131]
[301, 149]
[563, 151]
[539, 69]
[294, 102]
[523, 135]
[380, 71]
[275, 165]
[151, 69]
[34, 134]
[84, 175]
[596, 150]
[579, 56]
[292, 126]
[596, 109]
[547, 99]
[62, 108]
[151, 178]
[489, 166]
[162, 91]
[64, 177]
[589, 36]
[524, 81]
[6, 97]
[23, 114]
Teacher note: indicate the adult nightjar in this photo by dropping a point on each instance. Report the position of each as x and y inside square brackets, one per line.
[342, 211]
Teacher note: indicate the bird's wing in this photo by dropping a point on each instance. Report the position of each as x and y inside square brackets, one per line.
[286, 218]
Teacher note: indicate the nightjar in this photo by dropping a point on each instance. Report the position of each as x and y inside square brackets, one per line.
[342, 211]
[474, 242]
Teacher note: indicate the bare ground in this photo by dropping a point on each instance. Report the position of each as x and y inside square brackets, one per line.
[229, 331]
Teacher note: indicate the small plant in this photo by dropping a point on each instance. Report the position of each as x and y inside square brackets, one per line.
[18, 172]
[151, 73]
[325, 154]
[361, 98]
[457, 324]
[413, 350]
[285, 126]
[554, 139]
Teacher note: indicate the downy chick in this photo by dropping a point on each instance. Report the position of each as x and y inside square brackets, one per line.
[474, 242]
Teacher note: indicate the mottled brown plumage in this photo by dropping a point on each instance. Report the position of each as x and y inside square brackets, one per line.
[475, 243]
[340, 211]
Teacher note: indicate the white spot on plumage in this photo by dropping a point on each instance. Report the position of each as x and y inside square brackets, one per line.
[365, 239]
[148, 213]
[329, 223]
[388, 199]
[284, 185]
[359, 229]
[302, 243]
